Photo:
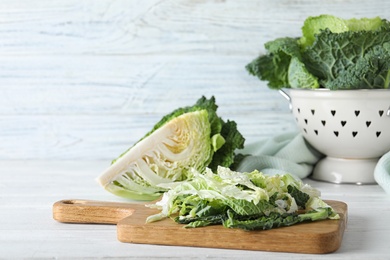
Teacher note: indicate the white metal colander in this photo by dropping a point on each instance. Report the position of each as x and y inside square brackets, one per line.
[351, 127]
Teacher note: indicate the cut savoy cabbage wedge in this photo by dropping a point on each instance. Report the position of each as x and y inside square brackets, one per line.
[250, 201]
[189, 137]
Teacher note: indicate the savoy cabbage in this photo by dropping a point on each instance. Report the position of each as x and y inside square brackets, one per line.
[332, 53]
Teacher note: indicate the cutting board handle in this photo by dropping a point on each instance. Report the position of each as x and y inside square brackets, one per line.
[90, 211]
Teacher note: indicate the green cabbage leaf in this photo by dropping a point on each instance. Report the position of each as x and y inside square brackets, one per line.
[249, 201]
[332, 53]
[191, 137]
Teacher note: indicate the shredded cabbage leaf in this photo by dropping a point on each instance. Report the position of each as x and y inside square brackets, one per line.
[248, 200]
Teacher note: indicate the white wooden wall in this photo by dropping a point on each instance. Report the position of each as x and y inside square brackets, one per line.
[85, 79]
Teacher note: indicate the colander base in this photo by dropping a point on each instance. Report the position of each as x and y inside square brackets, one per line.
[337, 170]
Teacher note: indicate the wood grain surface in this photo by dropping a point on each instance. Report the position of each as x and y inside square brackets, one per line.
[82, 80]
[315, 237]
[30, 187]
[86, 79]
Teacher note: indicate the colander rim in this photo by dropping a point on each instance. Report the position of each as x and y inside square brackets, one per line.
[339, 90]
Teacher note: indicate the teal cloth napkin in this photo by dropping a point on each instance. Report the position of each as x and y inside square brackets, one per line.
[290, 153]
[382, 172]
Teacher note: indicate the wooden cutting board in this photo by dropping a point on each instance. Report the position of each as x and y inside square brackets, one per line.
[314, 237]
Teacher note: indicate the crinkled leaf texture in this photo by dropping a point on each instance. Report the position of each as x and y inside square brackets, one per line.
[350, 60]
[332, 53]
[273, 66]
[188, 138]
[240, 200]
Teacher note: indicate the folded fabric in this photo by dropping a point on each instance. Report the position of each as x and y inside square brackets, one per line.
[382, 172]
[290, 153]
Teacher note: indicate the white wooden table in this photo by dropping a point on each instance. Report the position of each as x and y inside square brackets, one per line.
[82, 80]
[27, 229]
